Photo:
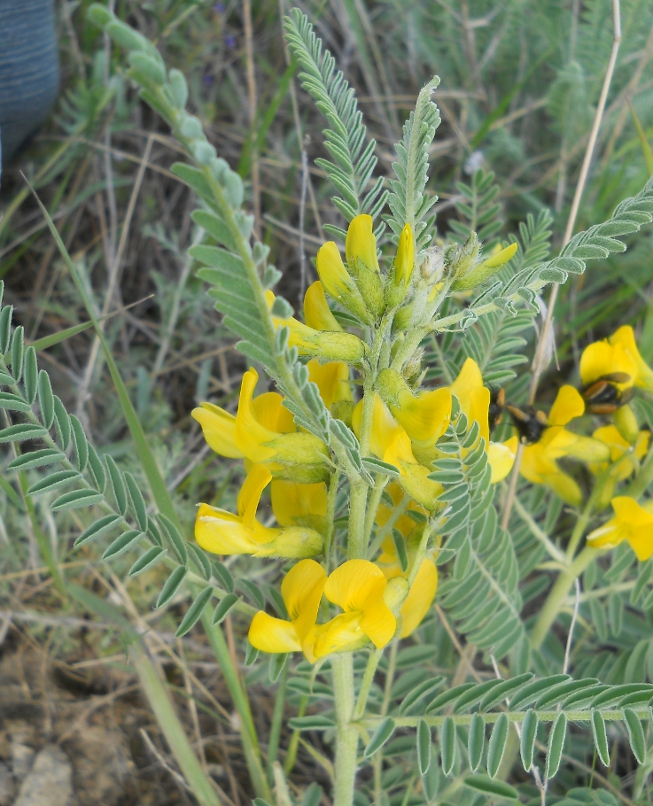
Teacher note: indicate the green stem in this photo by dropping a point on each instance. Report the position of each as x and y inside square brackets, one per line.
[366, 684]
[332, 495]
[342, 669]
[356, 544]
[240, 699]
[373, 505]
[170, 724]
[387, 691]
[293, 744]
[277, 719]
[558, 594]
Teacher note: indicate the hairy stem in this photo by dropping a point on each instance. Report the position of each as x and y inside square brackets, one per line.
[342, 670]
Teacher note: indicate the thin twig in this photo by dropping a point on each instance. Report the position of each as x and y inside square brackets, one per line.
[302, 210]
[251, 91]
[565, 665]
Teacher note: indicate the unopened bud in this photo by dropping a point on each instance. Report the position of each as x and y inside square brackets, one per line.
[484, 270]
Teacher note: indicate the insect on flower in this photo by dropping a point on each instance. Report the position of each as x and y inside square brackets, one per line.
[604, 396]
[530, 424]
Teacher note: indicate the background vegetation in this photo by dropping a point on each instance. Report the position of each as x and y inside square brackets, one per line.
[519, 85]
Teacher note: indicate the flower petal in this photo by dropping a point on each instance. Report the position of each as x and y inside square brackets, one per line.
[293, 503]
[501, 456]
[271, 634]
[426, 416]
[567, 405]
[405, 257]
[250, 434]
[249, 495]
[360, 244]
[341, 633]
[221, 532]
[331, 270]
[601, 358]
[469, 378]
[384, 426]
[607, 536]
[332, 380]
[317, 313]
[626, 338]
[218, 427]
[302, 592]
[629, 512]
[420, 597]
[270, 412]
[378, 623]
[354, 583]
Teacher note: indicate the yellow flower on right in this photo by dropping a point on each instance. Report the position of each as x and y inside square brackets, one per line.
[631, 522]
[617, 354]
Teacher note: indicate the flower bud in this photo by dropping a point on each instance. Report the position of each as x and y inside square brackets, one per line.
[395, 593]
[626, 424]
[337, 283]
[483, 271]
[402, 271]
[295, 543]
[360, 251]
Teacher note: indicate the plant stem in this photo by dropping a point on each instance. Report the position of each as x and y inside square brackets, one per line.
[356, 544]
[342, 670]
[240, 699]
[293, 744]
[277, 719]
[373, 505]
[558, 594]
[368, 679]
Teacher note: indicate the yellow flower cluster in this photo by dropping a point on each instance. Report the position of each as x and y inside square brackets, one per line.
[403, 430]
[361, 590]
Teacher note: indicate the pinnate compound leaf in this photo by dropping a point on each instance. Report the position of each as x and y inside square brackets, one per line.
[195, 611]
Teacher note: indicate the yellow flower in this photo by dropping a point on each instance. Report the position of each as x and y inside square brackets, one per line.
[425, 417]
[356, 586]
[296, 504]
[390, 442]
[623, 465]
[317, 313]
[631, 522]
[221, 532]
[617, 355]
[360, 245]
[337, 282]
[301, 591]
[474, 400]
[219, 426]
[539, 461]
[420, 598]
[332, 380]
[326, 343]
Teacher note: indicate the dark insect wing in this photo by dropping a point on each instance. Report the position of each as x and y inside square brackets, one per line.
[497, 405]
